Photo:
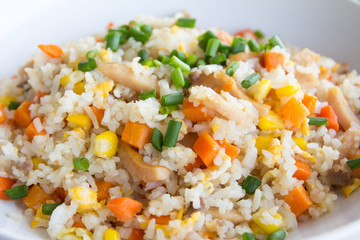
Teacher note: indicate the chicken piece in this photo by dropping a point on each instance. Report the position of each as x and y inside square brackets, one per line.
[133, 163]
[124, 75]
[222, 104]
[232, 216]
[306, 80]
[305, 57]
[346, 116]
[244, 56]
[221, 81]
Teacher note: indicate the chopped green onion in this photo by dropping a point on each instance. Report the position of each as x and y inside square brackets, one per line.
[277, 235]
[218, 59]
[17, 192]
[251, 184]
[149, 94]
[204, 38]
[248, 236]
[139, 36]
[224, 49]
[267, 47]
[157, 139]
[177, 63]
[172, 133]
[48, 209]
[13, 105]
[172, 99]
[164, 59]
[261, 47]
[212, 47]
[354, 163]
[143, 55]
[81, 164]
[253, 45]
[168, 109]
[238, 45]
[259, 34]
[113, 40]
[191, 60]
[148, 62]
[92, 54]
[231, 69]
[187, 83]
[318, 121]
[177, 77]
[276, 41]
[200, 62]
[147, 29]
[157, 63]
[87, 66]
[186, 22]
[250, 80]
[179, 54]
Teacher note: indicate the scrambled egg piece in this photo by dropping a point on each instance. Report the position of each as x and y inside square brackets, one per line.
[86, 198]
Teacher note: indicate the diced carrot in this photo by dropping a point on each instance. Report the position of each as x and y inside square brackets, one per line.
[273, 59]
[137, 234]
[22, 114]
[38, 96]
[99, 113]
[227, 87]
[36, 197]
[206, 148]
[60, 193]
[52, 50]
[110, 25]
[294, 111]
[124, 208]
[136, 134]
[163, 220]
[5, 184]
[298, 200]
[197, 164]
[79, 224]
[195, 114]
[329, 113]
[103, 189]
[224, 37]
[2, 114]
[230, 150]
[246, 33]
[310, 103]
[303, 170]
[31, 130]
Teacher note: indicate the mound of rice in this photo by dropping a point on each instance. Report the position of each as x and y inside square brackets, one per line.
[184, 193]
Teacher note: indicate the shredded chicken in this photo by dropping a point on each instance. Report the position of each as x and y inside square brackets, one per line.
[123, 74]
[232, 216]
[305, 57]
[133, 163]
[220, 81]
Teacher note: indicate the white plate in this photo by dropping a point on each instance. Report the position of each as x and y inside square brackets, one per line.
[329, 27]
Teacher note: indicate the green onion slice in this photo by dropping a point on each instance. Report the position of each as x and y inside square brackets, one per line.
[187, 83]
[148, 62]
[254, 46]
[172, 99]
[258, 33]
[168, 109]
[87, 66]
[238, 45]
[177, 63]
[248, 236]
[318, 121]
[354, 163]
[204, 38]
[191, 60]
[250, 80]
[81, 164]
[212, 47]
[157, 63]
[13, 105]
[113, 40]
[48, 209]
[218, 59]
[277, 235]
[17, 192]
[157, 139]
[276, 41]
[231, 69]
[92, 54]
[200, 62]
[177, 77]
[186, 22]
[143, 55]
[149, 94]
[172, 133]
[179, 54]
[251, 184]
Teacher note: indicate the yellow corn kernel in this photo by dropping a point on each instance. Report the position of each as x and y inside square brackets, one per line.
[262, 89]
[146, 67]
[106, 144]
[174, 29]
[79, 88]
[261, 218]
[263, 142]
[36, 162]
[256, 229]
[79, 120]
[40, 219]
[104, 55]
[86, 198]
[5, 100]
[73, 77]
[348, 189]
[301, 142]
[287, 90]
[183, 49]
[111, 234]
[271, 122]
